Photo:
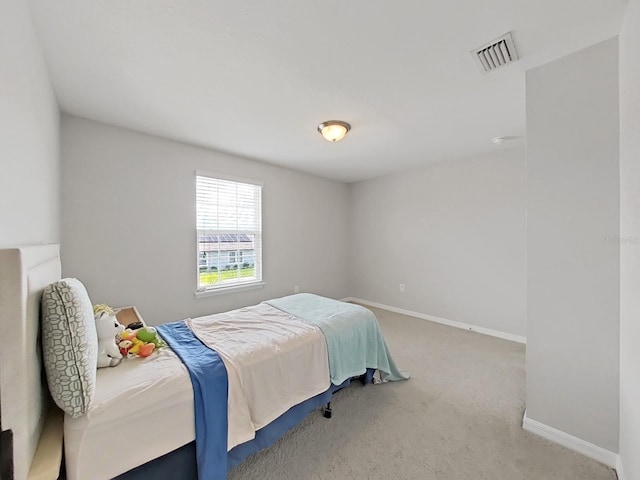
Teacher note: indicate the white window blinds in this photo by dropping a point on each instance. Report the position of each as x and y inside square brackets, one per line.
[229, 231]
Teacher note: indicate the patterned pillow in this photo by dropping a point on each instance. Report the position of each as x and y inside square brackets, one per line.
[69, 345]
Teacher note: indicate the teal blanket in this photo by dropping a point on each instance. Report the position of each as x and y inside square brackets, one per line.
[354, 339]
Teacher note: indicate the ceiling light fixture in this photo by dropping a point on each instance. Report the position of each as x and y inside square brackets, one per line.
[333, 130]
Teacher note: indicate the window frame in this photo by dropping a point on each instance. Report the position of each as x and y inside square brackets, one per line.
[258, 281]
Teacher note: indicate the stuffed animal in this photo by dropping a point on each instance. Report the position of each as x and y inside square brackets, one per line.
[150, 335]
[102, 307]
[140, 342]
[108, 327]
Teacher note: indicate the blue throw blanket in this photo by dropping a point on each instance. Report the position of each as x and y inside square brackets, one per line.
[353, 336]
[210, 391]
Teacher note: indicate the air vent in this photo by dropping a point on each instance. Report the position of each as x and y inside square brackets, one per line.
[495, 54]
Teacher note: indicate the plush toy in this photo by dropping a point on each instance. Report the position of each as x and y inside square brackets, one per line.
[150, 335]
[125, 346]
[140, 342]
[102, 307]
[108, 328]
[143, 349]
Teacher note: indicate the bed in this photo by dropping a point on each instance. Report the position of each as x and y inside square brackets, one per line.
[225, 380]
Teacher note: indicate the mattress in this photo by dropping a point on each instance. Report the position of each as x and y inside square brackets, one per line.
[143, 408]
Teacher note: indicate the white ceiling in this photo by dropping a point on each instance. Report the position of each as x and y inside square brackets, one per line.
[255, 78]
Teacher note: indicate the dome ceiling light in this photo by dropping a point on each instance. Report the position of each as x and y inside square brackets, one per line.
[333, 130]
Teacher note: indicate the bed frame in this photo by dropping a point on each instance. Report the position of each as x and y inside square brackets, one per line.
[31, 428]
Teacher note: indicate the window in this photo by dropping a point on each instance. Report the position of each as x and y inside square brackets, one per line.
[235, 256]
[229, 229]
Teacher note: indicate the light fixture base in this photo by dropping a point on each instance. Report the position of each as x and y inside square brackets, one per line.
[333, 130]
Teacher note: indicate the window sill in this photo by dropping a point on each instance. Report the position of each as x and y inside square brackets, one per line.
[230, 289]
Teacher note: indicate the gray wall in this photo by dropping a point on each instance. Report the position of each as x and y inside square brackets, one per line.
[572, 248]
[29, 131]
[630, 242]
[128, 223]
[453, 233]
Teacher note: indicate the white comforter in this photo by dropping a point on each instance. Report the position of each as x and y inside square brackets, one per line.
[274, 361]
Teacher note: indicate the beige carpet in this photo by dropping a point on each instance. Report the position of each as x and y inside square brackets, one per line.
[459, 417]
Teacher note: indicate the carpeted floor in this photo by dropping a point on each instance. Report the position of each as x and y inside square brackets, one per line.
[458, 417]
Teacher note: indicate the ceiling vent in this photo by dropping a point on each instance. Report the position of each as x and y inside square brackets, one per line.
[495, 54]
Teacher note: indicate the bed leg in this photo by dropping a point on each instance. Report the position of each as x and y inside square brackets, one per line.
[327, 411]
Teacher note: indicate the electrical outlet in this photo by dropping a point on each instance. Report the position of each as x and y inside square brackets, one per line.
[296, 289]
[401, 287]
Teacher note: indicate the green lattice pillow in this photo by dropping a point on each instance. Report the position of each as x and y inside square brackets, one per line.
[69, 345]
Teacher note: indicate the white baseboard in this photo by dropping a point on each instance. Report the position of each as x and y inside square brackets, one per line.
[444, 321]
[620, 469]
[573, 443]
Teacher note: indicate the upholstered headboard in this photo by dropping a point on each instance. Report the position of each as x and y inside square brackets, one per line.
[24, 272]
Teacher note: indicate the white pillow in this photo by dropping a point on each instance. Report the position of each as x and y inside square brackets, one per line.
[69, 345]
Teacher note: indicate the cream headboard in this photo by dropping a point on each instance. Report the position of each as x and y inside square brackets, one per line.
[24, 272]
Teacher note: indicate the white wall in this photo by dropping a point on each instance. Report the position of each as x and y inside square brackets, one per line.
[572, 247]
[29, 132]
[128, 223]
[453, 233]
[630, 242]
